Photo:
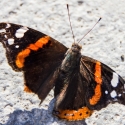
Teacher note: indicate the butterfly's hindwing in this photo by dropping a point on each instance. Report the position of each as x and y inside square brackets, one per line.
[69, 90]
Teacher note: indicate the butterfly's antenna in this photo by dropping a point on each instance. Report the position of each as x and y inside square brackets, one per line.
[70, 23]
[90, 29]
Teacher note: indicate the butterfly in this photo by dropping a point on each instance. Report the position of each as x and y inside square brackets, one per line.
[81, 84]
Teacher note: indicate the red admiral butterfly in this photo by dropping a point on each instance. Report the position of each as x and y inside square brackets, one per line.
[82, 84]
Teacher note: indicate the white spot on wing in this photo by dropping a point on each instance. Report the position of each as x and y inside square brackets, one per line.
[5, 36]
[8, 25]
[113, 94]
[10, 41]
[19, 35]
[119, 95]
[106, 92]
[17, 46]
[2, 30]
[115, 80]
[20, 32]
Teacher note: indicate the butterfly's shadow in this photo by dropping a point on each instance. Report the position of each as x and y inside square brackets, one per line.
[38, 117]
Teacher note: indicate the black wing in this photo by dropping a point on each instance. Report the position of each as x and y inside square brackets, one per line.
[104, 85]
[34, 53]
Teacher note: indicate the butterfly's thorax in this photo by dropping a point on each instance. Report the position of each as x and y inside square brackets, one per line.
[72, 58]
[69, 66]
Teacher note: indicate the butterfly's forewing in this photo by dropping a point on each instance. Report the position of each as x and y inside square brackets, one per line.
[32, 52]
[104, 85]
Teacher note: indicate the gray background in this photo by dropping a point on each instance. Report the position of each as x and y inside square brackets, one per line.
[105, 43]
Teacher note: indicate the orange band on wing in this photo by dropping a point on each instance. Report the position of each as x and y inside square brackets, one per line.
[95, 98]
[20, 59]
[73, 115]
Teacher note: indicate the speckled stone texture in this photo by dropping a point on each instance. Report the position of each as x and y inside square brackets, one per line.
[105, 43]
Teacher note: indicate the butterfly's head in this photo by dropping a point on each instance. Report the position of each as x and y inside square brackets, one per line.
[76, 48]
